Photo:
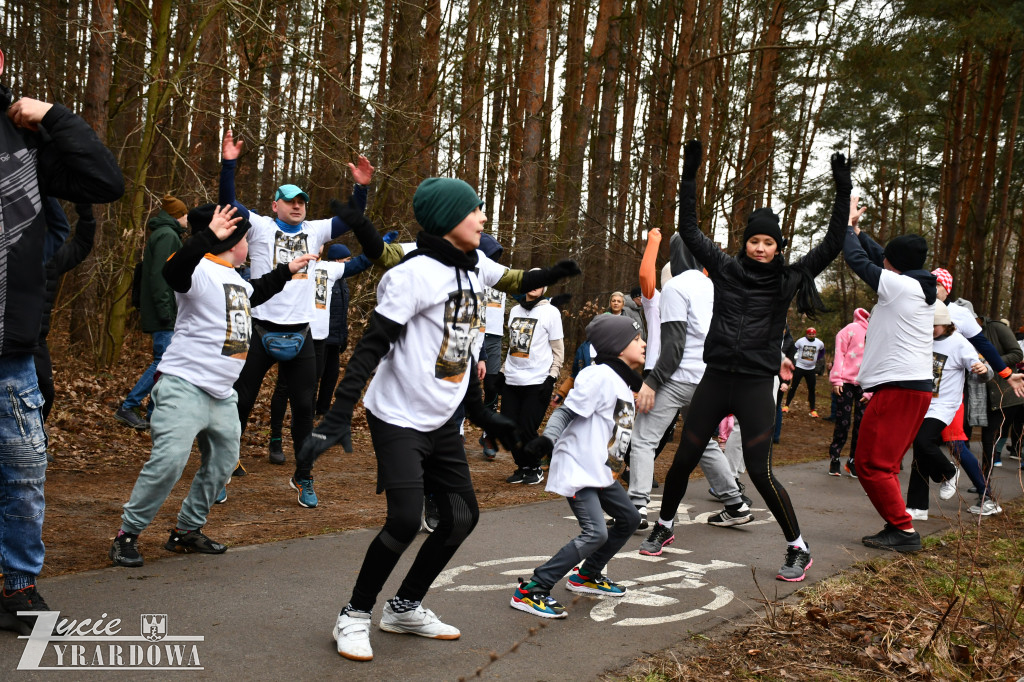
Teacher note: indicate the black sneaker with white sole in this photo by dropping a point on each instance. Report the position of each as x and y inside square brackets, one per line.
[533, 476]
[834, 467]
[517, 476]
[894, 539]
[125, 550]
[732, 515]
[193, 541]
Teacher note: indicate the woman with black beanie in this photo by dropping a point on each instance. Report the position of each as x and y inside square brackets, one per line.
[753, 291]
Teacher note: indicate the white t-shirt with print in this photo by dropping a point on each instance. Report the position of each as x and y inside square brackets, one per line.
[212, 330]
[898, 344]
[807, 352]
[652, 312]
[597, 438]
[269, 246]
[423, 378]
[530, 333]
[689, 297]
[951, 358]
[494, 321]
[964, 321]
[325, 274]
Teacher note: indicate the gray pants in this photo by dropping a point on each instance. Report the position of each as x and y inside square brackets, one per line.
[734, 451]
[184, 413]
[670, 398]
[597, 543]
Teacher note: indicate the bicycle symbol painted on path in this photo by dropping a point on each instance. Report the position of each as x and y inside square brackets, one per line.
[661, 589]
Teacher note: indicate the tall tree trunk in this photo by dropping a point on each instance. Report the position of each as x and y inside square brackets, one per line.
[531, 94]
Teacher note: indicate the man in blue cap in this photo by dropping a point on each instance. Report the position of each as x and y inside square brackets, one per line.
[282, 326]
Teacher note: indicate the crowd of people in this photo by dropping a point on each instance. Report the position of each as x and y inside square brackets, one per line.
[227, 292]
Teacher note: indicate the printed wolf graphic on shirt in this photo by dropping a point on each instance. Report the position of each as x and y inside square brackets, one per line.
[320, 286]
[238, 327]
[618, 444]
[938, 362]
[520, 336]
[459, 335]
[288, 247]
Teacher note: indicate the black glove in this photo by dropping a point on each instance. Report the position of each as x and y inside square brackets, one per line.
[362, 227]
[84, 211]
[335, 429]
[545, 277]
[692, 154]
[539, 449]
[559, 300]
[841, 172]
[506, 431]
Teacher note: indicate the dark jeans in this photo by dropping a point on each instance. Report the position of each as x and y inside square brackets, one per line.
[749, 398]
[597, 543]
[279, 400]
[929, 462]
[526, 406]
[328, 377]
[812, 380]
[848, 404]
[299, 374]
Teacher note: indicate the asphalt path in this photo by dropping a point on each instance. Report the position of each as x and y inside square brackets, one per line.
[266, 612]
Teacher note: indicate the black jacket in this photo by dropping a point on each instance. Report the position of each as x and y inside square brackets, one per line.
[63, 159]
[751, 298]
[337, 329]
[69, 256]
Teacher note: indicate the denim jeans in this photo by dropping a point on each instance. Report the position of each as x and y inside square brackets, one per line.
[185, 413]
[22, 472]
[161, 340]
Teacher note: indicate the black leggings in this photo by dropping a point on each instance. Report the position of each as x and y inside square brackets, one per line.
[328, 377]
[929, 462]
[279, 400]
[812, 380]
[751, 399]
[1000, 421]
[526, 406]
[299, 373]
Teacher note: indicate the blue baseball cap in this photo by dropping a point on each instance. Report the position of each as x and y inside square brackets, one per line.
[289, 192]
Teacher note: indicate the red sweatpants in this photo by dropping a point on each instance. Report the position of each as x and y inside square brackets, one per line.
[890, 422]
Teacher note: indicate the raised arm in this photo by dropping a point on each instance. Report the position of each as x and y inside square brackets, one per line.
[74, 250]
[362, 175]
[230, 149]
[702, 248]
[858, 260]
[648, 272]
[819, 257]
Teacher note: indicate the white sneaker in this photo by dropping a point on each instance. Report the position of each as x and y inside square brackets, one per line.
[986, 508]
[918, 514]
[948, 488]
[419, 621]
[352, 633]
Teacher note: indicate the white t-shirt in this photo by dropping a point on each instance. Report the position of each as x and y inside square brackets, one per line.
[325, 274]
[807, 352]
[597, 438]
[952, 357]
[530, 333]
[423, 378]
[212, 330]
[898, 344]
[652, 312]
[269, 246]
[689, 297]
[964, 321]
[494, 322]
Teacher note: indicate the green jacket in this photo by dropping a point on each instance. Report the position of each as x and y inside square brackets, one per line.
[159, 308]
[999, 392]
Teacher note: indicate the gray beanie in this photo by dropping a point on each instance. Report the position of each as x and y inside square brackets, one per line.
[610, 334]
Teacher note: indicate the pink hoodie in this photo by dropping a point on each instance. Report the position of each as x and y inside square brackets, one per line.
[849, 349]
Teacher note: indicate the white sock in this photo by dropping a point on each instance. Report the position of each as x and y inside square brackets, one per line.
[799, 542]
[667, 524]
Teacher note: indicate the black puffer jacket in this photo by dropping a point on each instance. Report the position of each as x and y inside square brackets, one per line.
[337, 330]
[752, 298]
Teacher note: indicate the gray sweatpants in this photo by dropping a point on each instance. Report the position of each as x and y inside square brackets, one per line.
[670, 398]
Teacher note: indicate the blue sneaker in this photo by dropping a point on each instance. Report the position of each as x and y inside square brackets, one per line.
[532, 598]
[222, 496]
[307, 497]
[598, 584]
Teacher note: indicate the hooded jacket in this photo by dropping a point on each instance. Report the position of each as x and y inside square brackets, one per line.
[159, 309]
[1000, 394]
[63, 159]
[849, 349]
[752, 298]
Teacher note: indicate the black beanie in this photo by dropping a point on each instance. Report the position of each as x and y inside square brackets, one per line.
[764, 221]
[610, 334]
[199, 219]
[907, 252]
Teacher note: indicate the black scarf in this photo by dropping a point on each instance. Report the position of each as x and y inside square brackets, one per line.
[443, 251]
[625, 372]
[529, 305]
[808, 301]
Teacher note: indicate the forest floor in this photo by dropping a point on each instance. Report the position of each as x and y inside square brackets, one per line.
[98, 459]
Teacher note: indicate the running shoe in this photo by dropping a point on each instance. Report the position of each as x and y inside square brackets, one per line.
[598, 584]
[894, 539]
[533, 476]
[419, 621]
[276, 452]
[732, 515]
[795, 567]
[239, 470]
[660, 537]
[532, 598]
[431, 515]
[834, 468]
[850, 468]
[11, 603]
[352, 634]
[986, 508]
[814, 413]
[307, 496]
[193, 541]
[948, 488]
[490, 450]
[125, 550]
[918, 514]
[518, 476]
[222, 496]
[785, 408]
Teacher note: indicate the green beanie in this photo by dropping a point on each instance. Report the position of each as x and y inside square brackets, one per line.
[441, 203]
